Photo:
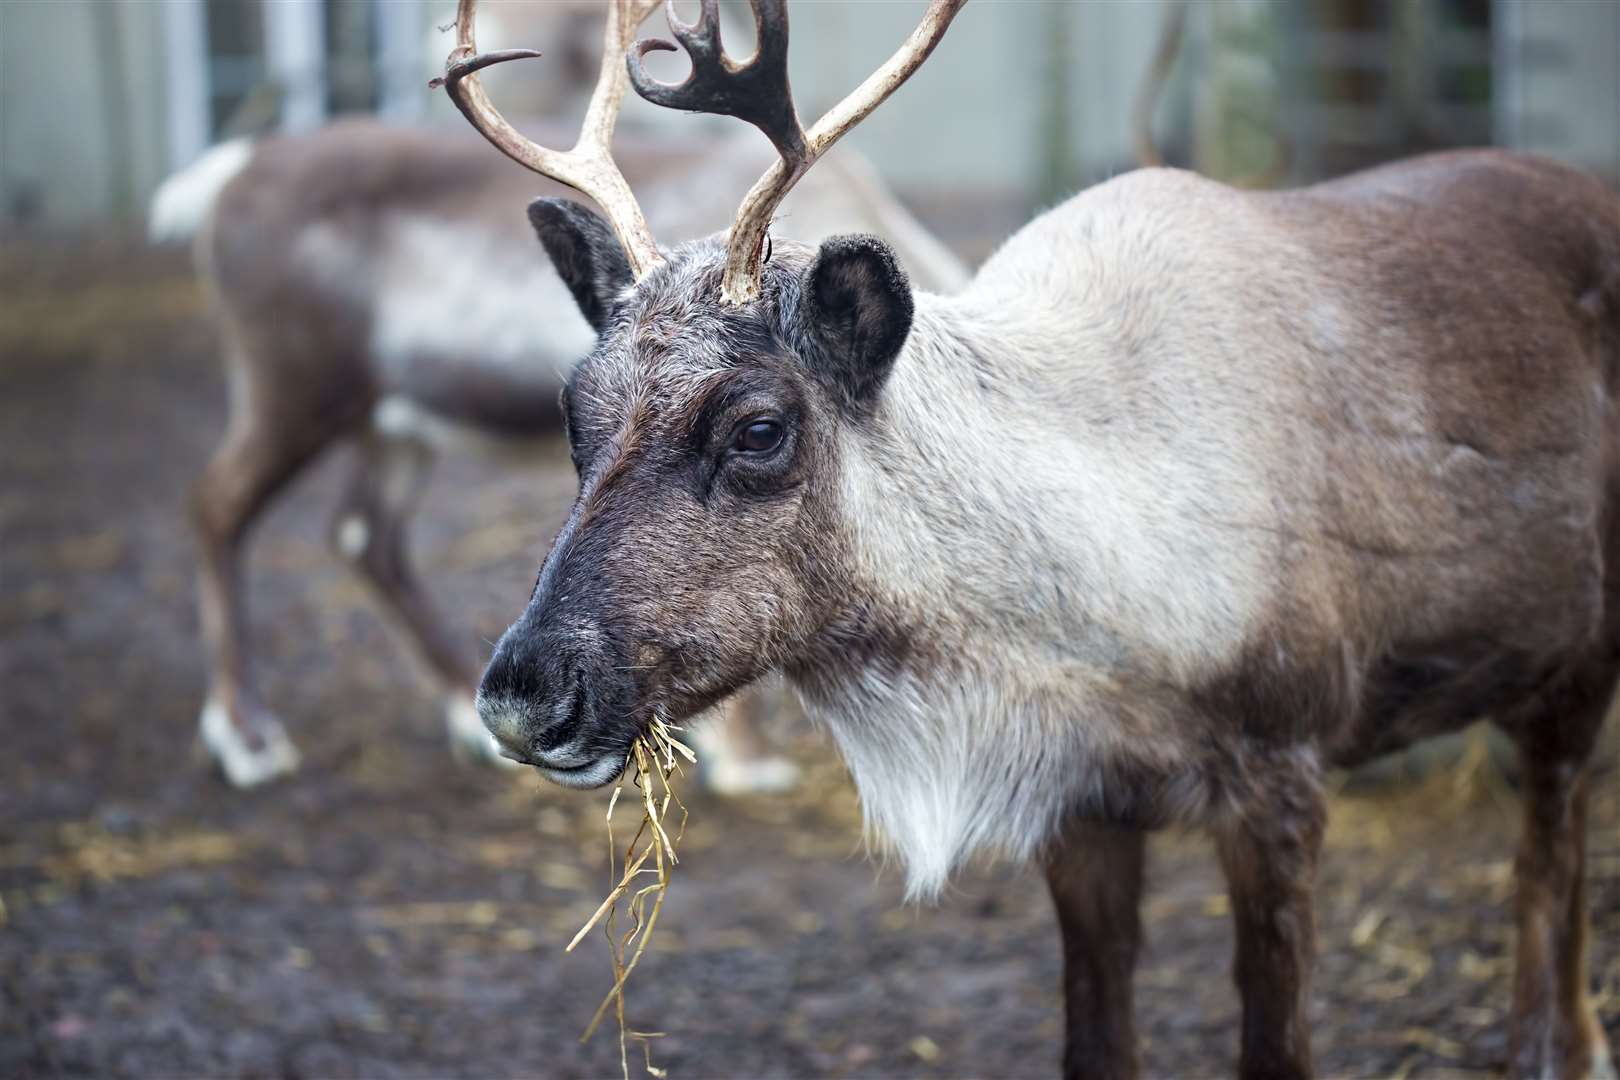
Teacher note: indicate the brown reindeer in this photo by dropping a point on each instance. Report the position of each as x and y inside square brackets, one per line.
[1191, 494]
[379, 287]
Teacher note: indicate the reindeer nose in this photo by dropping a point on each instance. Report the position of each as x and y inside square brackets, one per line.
[535, 699]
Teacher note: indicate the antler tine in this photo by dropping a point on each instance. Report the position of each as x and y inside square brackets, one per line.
[588, 167]
[759, 93]
[702, 38]
[624, 19]
[756, 91]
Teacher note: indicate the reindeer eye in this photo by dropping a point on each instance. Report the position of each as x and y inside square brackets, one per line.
[759, 437]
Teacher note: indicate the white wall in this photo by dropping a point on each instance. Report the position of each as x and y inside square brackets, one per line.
[976, 118]
[1557, 80]
[973, 118]
[295, 58]
[75, 132]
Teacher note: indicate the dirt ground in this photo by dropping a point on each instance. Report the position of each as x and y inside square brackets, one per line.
[387, 913]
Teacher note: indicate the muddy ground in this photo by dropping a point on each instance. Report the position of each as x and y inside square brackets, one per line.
[387, 913]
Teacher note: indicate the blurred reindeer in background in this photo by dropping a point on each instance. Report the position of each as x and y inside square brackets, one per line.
[379, 287]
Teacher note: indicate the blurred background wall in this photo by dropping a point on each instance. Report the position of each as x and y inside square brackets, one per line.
[100, 99]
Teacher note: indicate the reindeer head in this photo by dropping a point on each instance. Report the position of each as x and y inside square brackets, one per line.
[704, 548]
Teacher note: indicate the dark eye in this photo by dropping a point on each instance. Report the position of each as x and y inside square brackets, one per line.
[759, 437]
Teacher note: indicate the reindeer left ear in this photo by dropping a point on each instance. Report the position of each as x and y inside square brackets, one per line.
[856, 308]
[585, 252]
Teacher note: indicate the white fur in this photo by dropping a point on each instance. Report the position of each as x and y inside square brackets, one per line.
[986, 758]
[244, 766]
[401, 418]
[936, 785]
[353, 534]
[409, 421]
[183, 203]
[450, 289]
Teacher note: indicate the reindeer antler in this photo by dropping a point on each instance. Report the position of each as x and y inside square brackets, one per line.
[758, 92]
[589, 166]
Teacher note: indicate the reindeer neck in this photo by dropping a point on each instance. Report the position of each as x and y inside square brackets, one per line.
[995, 500]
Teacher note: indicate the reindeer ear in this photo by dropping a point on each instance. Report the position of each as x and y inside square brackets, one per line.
[856, 306]
[586, 253]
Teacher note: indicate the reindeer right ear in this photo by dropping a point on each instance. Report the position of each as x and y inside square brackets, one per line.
[857, 306]
[586, 253]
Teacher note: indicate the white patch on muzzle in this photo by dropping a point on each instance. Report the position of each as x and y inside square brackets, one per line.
[470, 740]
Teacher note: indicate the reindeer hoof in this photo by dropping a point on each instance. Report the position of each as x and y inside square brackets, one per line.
[247, 759]
[753, 776]
[470, 741]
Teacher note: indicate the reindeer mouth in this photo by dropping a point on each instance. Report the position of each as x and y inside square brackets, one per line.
[599, 773]
[594, 773]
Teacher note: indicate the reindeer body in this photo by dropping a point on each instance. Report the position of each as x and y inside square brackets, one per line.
[1189, 495]
[1194, 492]
[378, 286]
[1114, 527]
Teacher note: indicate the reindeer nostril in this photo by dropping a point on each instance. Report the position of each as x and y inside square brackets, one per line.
[572, 709]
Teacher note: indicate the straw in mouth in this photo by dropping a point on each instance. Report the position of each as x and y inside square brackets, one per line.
[656, 756]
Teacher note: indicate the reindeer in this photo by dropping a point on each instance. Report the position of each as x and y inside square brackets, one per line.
[1191, 494]
[375, 286]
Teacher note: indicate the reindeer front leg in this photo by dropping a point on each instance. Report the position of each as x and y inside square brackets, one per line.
[1269, 852]
[1095, 876]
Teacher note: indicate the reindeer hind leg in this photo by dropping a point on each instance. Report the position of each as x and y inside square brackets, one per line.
[370, 533]
[1554, 1029]
[252, 463]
